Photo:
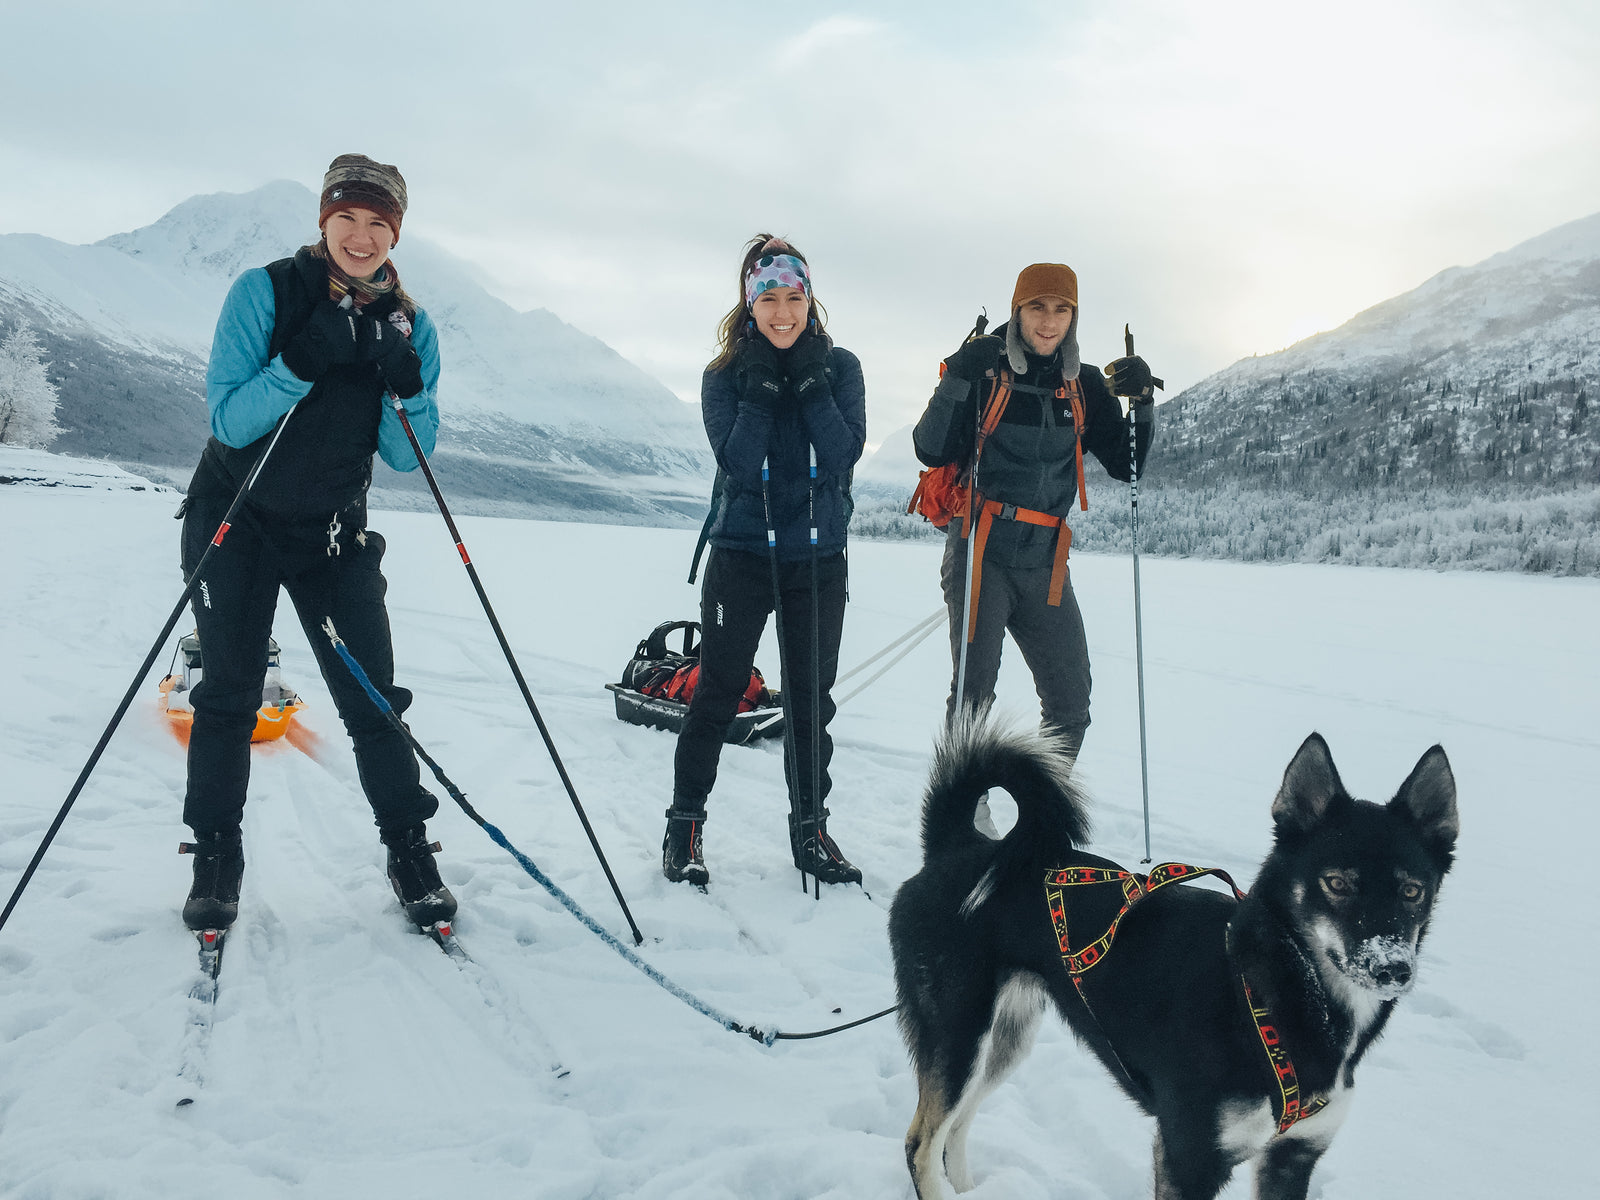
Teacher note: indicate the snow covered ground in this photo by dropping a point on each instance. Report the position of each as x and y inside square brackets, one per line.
[350, 1058]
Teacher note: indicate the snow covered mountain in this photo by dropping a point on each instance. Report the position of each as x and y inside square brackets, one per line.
[1483, 373]
[539, 417]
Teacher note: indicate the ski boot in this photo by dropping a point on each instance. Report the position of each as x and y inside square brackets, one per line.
[682, 852]
[816, 853]
[213, 901]
[415, 876]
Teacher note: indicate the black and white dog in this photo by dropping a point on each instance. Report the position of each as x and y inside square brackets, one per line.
[1236, 1024]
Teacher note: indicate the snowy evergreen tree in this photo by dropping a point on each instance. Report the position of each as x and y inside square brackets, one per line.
[27, 397]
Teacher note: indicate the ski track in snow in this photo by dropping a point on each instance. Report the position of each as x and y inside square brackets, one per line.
[350, 1057]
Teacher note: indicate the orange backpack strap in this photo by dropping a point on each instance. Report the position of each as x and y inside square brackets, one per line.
[1073, 391]
[1058, 569]
[993, 411]
[988, 510]
[991, 419]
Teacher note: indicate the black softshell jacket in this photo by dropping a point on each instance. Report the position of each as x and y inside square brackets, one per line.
[1030, 459]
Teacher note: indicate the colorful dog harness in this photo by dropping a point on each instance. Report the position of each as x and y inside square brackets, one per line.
[1292, 1107]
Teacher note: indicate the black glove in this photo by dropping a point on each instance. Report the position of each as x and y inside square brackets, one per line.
[328, 338]
[381, 342]
[977, 358]
[763, 381]
[1131, 377]
[808, 368]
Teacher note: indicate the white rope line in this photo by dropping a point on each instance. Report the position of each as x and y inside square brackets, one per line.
[915, 636]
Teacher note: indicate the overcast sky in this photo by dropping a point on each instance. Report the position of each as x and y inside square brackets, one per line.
[1227, 176]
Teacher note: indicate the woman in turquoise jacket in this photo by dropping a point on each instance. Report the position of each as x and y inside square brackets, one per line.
[314, 349]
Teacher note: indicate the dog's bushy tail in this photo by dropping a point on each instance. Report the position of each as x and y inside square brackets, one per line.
[977, 754]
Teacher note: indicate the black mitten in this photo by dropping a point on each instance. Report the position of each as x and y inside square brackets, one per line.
[763, 386]
[328, 338]
[808, 369]
[1131, 377]
[977, 358]
[383, 343]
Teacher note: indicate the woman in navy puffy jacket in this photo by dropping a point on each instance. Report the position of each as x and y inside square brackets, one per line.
[778, 390]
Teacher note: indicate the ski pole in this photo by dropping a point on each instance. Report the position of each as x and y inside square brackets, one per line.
[791, 752]
[971, 520]
[816, 674]
[1138, 620]
[144, 668]
[511, 659]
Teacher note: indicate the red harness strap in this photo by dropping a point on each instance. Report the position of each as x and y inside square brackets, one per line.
[1292, 1107]
[1134, 889]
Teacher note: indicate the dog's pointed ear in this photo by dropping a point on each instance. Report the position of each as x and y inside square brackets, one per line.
[1428, 797]
[1310, 784]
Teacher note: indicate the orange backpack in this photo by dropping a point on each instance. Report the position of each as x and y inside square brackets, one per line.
[944, 493]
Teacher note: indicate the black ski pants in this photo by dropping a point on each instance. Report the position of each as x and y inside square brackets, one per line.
[734, 606]
[234, 603]
[1050, 637]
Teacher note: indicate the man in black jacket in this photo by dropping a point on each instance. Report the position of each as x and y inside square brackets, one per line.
[1017, 410]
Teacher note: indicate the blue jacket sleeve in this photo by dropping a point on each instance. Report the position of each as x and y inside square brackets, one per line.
[837, 423]
[246, 394]
[422, 410]
[739, 433]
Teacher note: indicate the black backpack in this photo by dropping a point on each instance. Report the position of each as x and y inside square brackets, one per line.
[652, 666]
[672, 675]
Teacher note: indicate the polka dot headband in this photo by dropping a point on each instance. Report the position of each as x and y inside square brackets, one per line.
[775, 271]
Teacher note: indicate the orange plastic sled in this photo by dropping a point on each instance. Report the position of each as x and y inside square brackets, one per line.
[278, 702]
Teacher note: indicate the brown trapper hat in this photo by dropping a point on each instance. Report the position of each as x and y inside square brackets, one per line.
[1045, 279]
[356, 181]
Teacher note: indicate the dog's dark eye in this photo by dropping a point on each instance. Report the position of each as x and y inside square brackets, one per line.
[1411, 892]
[1337, 885]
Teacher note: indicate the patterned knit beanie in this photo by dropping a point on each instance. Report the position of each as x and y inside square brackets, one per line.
[356, 181]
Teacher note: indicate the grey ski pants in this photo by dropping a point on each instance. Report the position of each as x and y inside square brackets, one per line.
[1050, 637]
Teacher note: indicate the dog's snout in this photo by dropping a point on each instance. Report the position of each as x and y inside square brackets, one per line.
[1385, 964]
[1394, 974]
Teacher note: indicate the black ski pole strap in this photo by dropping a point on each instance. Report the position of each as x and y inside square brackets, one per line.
[718, 486]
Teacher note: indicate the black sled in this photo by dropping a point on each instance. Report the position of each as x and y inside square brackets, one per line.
[657, 684]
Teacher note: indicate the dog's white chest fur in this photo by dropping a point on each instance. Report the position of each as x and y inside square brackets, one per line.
[1244, 1128]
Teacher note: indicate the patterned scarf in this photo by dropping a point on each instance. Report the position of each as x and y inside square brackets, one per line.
[362, 292]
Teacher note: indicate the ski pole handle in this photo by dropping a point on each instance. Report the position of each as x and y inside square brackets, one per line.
[1127, 341]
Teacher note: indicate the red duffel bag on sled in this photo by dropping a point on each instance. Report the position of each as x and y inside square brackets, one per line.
[658, 683]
